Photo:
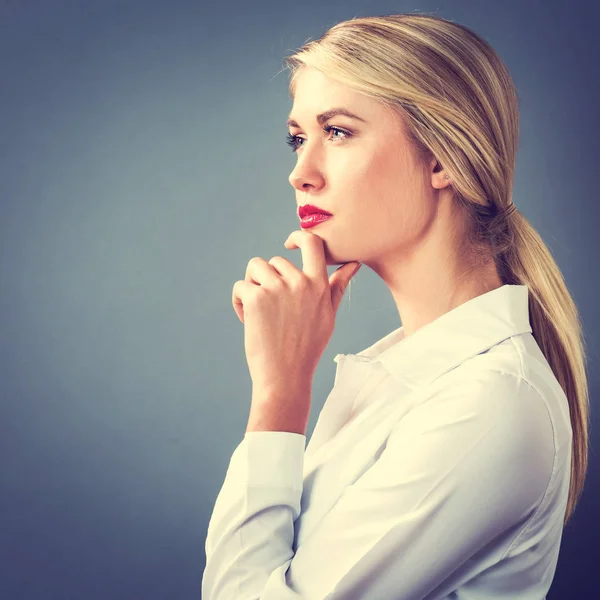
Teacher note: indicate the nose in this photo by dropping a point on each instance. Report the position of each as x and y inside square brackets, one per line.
[306, 176]
[299, 182]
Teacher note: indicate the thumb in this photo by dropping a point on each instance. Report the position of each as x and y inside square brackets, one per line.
[339, 280]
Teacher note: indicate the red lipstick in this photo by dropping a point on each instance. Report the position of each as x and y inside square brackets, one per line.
[309, 209]
[314, 219]
[312, 215]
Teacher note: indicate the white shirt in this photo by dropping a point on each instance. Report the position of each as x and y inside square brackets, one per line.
[438, 468]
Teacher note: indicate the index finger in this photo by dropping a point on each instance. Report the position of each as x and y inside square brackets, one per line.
[313, 253]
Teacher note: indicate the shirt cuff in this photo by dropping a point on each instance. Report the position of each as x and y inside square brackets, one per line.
[269, 459]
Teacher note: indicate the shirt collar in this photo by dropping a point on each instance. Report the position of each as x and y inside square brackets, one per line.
[442, 344]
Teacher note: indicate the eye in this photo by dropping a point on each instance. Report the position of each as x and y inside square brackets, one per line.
[292, 140]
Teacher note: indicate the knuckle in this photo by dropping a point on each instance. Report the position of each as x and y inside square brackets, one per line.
[255, 295]
[301, 282]
[322, 287]
[277, 283]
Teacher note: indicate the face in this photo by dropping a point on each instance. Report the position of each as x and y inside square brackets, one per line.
[364, 172]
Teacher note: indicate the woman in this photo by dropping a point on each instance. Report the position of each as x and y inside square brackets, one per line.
[451, 453]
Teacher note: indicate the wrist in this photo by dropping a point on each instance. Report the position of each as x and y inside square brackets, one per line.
[279, 411]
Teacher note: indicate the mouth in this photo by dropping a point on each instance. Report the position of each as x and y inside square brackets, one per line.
[309, 209]
[314, 219]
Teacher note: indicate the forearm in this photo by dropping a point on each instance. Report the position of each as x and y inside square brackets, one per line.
[279, 411]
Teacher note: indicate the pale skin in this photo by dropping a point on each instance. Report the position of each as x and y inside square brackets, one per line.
[390, 212]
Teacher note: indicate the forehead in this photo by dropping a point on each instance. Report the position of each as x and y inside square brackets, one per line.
[309, 80]
[315, 92]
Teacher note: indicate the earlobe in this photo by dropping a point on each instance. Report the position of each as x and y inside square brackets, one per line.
[438, 170]
[439, 182]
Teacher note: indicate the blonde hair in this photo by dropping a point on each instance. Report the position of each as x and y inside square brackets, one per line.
[459, 104]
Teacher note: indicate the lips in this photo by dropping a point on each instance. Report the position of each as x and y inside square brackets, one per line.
[309, 209]
[314, 219]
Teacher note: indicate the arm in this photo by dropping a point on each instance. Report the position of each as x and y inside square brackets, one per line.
[251, 531]
[460, 469]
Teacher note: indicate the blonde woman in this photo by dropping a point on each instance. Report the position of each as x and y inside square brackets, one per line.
[450, 454]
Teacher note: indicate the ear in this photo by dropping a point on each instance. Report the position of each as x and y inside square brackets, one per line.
[440, 178]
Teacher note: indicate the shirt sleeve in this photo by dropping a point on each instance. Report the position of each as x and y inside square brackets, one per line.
[460, 469]
[251, 531]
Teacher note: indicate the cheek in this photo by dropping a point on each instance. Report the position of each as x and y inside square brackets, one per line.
[383, 169]
[379, 185]
[367, 180]
[383, 180]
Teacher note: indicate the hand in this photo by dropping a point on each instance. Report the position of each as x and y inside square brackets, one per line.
[289, 315]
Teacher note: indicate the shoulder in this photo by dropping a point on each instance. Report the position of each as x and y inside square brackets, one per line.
[506, 381]
[507, 399]
[506, 405]
[481, 429]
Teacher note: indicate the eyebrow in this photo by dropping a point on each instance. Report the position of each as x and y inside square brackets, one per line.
[321, 118]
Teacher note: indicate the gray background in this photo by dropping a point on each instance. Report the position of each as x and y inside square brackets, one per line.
[143, 164]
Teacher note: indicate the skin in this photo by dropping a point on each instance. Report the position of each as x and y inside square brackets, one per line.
[390, 211]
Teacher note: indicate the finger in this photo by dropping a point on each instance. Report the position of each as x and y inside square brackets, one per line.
[285, 268]
[339, 280]
[313, 254]
[260, 272]
[239, 295]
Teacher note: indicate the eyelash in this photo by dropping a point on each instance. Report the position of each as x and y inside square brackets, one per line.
[291, 140]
